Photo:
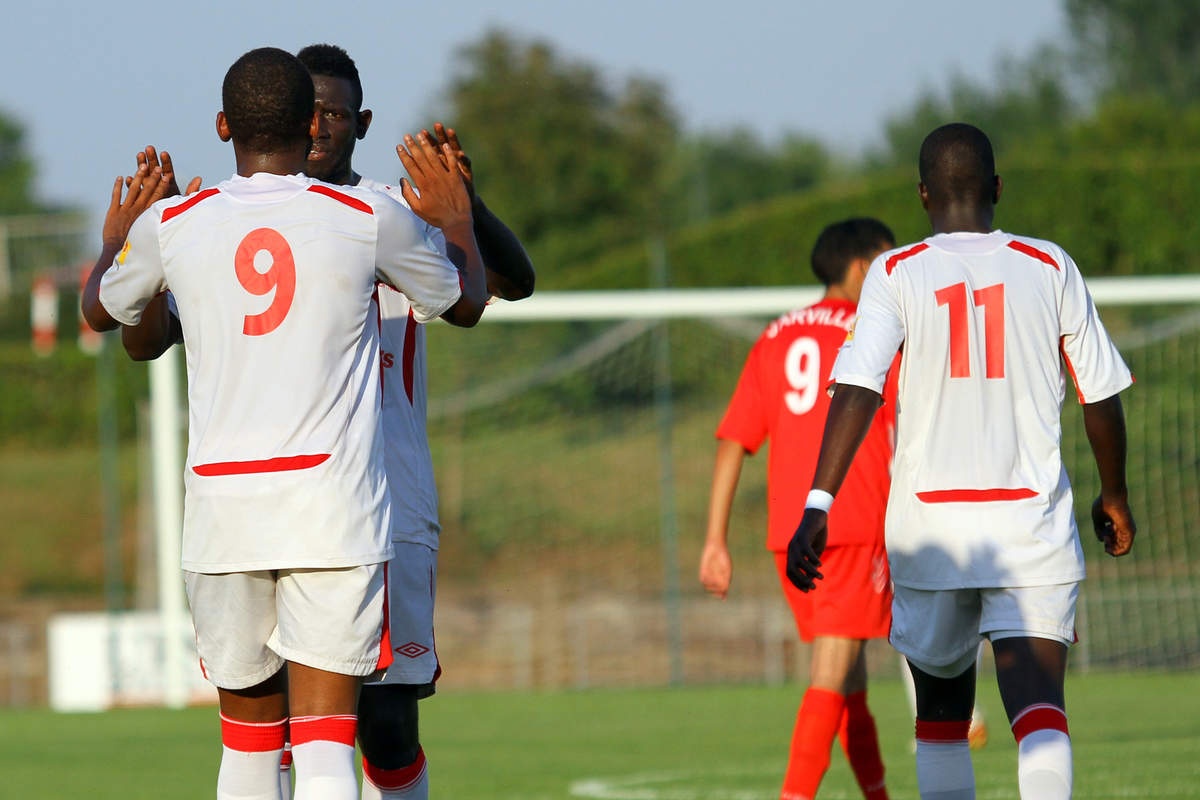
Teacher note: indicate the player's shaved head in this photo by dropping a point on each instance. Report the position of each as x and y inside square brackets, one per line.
[333, 62]
[957, 165]
[268, 100]
[842, 243]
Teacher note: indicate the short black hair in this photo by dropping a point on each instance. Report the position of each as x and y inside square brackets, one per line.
[957, 164]
[268, 99]
[333, 62]
[843, 242]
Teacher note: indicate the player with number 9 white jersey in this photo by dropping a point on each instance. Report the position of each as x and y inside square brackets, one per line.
[273, 278]
[990, 323]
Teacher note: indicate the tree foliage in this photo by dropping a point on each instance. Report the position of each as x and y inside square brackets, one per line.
[1135, 47]
[16, 169]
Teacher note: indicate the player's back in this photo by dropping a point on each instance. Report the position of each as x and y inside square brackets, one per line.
[986, 320]
[782, 395]
[273, 278]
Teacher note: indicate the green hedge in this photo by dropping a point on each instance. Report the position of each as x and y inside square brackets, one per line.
[1129, 215]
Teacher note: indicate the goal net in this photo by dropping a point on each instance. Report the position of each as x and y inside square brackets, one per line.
[572, 437]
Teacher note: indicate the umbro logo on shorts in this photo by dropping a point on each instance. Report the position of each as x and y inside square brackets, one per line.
[412, 650]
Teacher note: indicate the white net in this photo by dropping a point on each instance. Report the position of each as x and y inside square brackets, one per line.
[573, 443]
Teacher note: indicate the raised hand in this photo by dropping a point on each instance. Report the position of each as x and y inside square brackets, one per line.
[145, 187]
[437, 192]
[805, 548]
[1114, 525]
[447, 136]
[149, 157]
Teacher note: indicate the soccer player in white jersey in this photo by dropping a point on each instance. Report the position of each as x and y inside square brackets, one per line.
[287, 516]
[394, 764]
[981, 536]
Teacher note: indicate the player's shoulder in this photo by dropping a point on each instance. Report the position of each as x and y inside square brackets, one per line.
[1043, 250]
[889, 260]
[171, 208]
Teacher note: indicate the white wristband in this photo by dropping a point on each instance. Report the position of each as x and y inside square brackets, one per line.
[819, 500]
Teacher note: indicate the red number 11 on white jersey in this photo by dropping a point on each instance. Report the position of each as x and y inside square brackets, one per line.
[992, 300]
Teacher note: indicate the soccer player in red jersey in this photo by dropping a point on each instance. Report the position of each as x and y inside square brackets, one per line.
[781, 395]
[981, 532]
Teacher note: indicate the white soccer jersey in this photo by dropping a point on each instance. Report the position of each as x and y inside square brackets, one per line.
[405, 398]
[273, 277]
[979, 494]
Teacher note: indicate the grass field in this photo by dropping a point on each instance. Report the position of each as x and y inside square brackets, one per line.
[1135, 736]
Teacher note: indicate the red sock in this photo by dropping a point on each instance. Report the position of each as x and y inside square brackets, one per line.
[816, 724]
[860, 742]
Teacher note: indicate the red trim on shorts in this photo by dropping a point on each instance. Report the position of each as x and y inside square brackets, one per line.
[385, 638]
[975, 495]
[896, 258]
[410, 353]
[339, 728]
[353, 202]
[281, 464]
[1033, 252]
[175, 211]
[395, 780]
[943, 732]
[252, 737]
[1039, 717]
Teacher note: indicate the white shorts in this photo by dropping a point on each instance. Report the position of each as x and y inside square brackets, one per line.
[939, 630]
[412, 587]
[249, 623]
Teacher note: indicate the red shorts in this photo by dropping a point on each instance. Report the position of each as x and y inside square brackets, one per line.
[852, 601]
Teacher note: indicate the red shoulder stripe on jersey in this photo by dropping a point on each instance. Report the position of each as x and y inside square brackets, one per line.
[282, 464]
[896, 258]
[975, 495]
[353, 202]
[175, 211]
[1033, 252]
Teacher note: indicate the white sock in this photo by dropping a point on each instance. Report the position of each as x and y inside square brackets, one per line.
[325, 771]
[418, 790]
[248, 776]
[285, 773]
[1044, 765]
[944, 770]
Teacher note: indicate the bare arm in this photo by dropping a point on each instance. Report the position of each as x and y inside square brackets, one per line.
[510, 273]
[440, 198]
[145, 188]
[850, 413]
[716, 567]
[1111, 518]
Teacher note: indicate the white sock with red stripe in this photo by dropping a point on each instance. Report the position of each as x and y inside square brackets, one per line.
[1043, 752]
[250, 759]
[323, 752]
[406, 783]
[285, 772]
[944, 770]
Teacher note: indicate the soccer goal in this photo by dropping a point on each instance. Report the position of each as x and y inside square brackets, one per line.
[572, 437]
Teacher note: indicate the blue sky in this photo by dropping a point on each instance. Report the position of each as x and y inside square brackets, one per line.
[94, 82]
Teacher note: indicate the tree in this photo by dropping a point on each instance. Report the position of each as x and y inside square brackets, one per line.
[561, 154]
[16, 170]
[1135, 47]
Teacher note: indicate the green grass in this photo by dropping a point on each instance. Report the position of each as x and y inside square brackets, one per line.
[1135, 736]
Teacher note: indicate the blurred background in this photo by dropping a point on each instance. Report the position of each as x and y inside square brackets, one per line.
[630, 146]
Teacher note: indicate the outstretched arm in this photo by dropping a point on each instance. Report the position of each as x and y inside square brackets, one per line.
[716, 567]
[440, 198]
[145, 188]
[850, 413]
[1104, 422]
[158, 328]
[510, 274]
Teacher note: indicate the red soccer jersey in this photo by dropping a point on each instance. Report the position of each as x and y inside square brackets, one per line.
[781, 394]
